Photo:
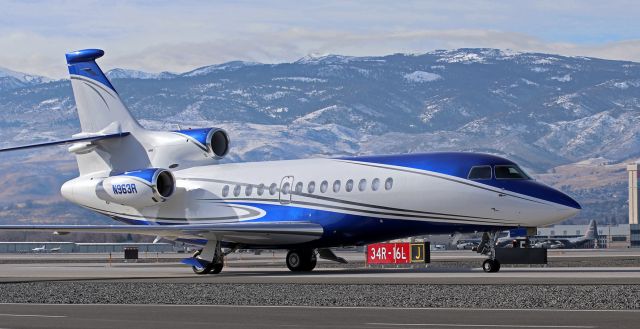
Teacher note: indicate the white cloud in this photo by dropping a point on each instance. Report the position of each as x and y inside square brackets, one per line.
[179, 36]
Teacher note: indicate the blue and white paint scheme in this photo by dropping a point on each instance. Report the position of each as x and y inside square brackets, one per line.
[171, 185]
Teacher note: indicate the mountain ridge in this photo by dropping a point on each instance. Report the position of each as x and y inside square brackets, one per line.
[544, 111]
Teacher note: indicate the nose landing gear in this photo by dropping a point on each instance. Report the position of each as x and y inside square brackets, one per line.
[488, 247]
[491, 265]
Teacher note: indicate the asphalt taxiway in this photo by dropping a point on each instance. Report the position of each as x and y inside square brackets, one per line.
[257, 291]
[178, 273]
[171, 316]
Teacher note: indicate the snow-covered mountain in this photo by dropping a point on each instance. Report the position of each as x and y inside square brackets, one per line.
[135, 74]
[10, 79]
[542, 110]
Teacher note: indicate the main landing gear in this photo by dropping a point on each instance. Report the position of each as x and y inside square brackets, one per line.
[488, 247]
[210, 259]
[301, 260]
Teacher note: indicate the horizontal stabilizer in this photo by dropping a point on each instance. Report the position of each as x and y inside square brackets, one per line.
[66, 141]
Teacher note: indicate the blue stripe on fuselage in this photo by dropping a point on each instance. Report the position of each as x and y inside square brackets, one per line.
[343, 229]
[458, 164]
[347, 229]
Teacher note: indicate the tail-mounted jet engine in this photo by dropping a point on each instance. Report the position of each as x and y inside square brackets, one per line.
[213, 141]
[186, 148]
[139, 188]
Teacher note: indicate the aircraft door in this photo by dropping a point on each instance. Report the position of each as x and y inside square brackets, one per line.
[286, 187]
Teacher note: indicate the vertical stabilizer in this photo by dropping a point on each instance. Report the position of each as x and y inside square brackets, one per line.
[592, 231]
[102, 112]
[99, 105]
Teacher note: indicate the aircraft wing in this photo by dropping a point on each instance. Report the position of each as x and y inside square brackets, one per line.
[265, 233]
[67, 141]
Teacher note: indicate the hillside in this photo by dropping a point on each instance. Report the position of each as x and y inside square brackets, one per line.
[553, 114]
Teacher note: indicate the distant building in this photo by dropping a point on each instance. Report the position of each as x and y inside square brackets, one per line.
[69, 247]
[609, 236]
[634, 227]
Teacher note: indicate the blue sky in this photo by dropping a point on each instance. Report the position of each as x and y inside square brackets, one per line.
[179, 36]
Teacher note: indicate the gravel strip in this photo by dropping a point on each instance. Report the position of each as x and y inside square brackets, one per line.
[608, 297]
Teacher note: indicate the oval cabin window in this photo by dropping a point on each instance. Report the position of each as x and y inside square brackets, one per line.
[375, 184]
[362, 185]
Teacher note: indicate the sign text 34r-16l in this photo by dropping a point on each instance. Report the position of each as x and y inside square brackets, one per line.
[395, 253]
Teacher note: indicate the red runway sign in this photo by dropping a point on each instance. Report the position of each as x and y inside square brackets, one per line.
[395, 253]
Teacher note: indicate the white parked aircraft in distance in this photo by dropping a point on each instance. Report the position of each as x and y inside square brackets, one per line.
[171, 184]
[39, 249]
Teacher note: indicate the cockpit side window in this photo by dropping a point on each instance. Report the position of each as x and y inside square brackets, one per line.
[510, 172]
[480, 172]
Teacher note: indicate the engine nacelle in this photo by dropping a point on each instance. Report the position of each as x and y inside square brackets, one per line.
[139, 188]
[213, 141]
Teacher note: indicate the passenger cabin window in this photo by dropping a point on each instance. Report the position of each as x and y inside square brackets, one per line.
[323, 186]
[375, 184]
[286, 188]
[236, 190]
[299, 187]
[273, 188]
[311, 187]
[336, 186]
[225, 191]
[480, 172]
[388, 184]
[509, 172]
[362, 185]
[349, 185]
[260, 189]
[248, 190]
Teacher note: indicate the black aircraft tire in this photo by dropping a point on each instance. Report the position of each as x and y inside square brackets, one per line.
[216, 268]
[209, 269]
[303, 260]
[311, 263]
[490, 266]
[204, 270]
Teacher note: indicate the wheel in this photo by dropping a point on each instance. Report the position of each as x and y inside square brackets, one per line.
[211, 268]
[311, 263]
[301, 260]
[491, 266]
[216, 268]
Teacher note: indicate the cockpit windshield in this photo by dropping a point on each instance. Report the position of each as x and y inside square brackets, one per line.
[510, 172]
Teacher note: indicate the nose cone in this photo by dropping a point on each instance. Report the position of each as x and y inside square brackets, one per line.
[568, 201]
[566, 205]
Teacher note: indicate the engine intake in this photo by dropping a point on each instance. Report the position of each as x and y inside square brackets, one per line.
[139, 188]
[214, 141]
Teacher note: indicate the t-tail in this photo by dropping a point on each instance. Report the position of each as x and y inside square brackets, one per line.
[99, 106]
[102, 112]
[113, 149]
[592, 231]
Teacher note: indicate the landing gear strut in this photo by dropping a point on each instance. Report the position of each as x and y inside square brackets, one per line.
[488, 247]
[301, 260]
[210, 259]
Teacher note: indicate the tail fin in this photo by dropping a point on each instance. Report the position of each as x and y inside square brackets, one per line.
[100, 108]
[592, 231]
[102, 112]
